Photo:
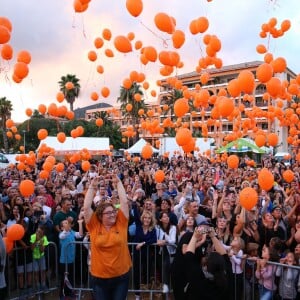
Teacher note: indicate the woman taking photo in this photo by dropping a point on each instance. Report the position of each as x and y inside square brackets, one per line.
[209, 278]
[110, 258]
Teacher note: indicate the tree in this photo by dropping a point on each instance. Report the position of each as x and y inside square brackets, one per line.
[70, 93]
[5, 113]
[127, 96]
[104, 116]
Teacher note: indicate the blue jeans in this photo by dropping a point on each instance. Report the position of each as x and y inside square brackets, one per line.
[115, 288]
[264, 294]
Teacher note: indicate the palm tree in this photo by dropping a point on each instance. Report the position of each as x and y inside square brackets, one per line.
[5, 113]
[127, 97]
[104, 116]
[70, 94]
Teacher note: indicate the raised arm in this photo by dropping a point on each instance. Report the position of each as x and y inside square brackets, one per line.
[122, 195]
[88, 200]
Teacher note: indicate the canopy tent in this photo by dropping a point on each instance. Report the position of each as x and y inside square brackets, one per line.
[242, 145]
[138, 146]
[170, 146]
[95, 145]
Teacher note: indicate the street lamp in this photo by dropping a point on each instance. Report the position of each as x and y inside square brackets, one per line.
[24, 140]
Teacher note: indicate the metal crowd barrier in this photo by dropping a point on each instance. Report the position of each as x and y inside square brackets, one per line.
[149, 271]
[18, 260]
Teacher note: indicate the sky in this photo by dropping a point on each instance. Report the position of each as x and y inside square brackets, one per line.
[59, 40]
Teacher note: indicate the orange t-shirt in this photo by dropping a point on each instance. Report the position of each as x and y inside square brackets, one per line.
[109, 249]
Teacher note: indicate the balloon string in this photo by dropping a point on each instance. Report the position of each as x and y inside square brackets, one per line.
[165, 44]
[83, 27]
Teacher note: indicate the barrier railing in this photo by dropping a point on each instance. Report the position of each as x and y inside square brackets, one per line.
[150, 271]
[21, 279]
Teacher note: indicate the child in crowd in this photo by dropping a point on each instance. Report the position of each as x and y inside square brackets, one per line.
[250, 267]
[67, 237]
[38, 242]
[265, 273]
[288, 277]
[237, 257]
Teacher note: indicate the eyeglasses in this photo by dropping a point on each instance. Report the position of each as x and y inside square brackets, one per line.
[111, 212]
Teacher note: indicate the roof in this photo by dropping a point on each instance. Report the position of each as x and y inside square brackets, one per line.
[138, 146]
[95, 145]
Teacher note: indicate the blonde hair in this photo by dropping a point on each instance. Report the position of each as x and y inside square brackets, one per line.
[147, 213]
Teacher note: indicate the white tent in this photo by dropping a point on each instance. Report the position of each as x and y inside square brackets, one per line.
[138, 146]
[169, 145]
[95, 145]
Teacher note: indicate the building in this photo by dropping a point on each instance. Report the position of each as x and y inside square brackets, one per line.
[218, 80]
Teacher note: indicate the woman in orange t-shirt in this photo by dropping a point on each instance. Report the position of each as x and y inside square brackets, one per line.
[110, 257]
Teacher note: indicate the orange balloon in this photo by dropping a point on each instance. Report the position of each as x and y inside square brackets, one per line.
[61, 137]
[234, 88]
[85, 165]
[109, 53]
[134, 7]
[178, 38]
[60, 97]
[246, 81]
[15, 232]
[106, 34]
[60, 167]
[7, 52]
[265, 179]
[264, 72]
[128, 107]
[248, 198]
[4, 35]
[233, 161]
[147, 151]
[225, 106]
[202, 24]
[28, 112]
[181, 107]
[261, 49]
[42, 134]
[260, 140]
[21, 70]
[274, 87]
[288, 176]
[9, 245]
[279, 65]
[9, 123]
[42, 109]
[92, 55]
[98, 42]
[272, 139]
[159, 176]
[24, 56]
[69, 85]
[105, 92]
[183, 136]
[164, 22]
[122, 44]
[79, 7]
[6, 23]
[26, 187]
[44, 174]
[99, 122]
[150, 53]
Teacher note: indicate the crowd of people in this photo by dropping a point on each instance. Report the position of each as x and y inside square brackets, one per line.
[211, 245]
